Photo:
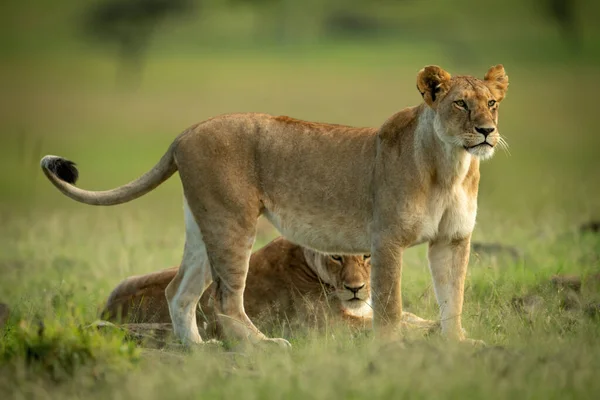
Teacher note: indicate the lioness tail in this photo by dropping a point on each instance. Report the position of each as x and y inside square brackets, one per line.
[63, 174]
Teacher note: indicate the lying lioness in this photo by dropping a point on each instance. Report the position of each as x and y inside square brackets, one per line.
[333, 188]
[286, 285]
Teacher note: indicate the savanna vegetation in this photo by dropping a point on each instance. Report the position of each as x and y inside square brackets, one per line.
[534, 280]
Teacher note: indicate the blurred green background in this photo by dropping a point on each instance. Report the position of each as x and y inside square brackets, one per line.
[110, 83]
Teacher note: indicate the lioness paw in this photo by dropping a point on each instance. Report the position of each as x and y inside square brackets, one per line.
[474, 342]
[276, 342]
[266, 345]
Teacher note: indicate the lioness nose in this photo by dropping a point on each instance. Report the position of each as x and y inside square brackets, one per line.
[354, 289]
[485, 131]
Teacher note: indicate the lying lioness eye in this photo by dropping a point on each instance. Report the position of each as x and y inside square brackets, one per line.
[366, 256]
[461, 104]
[491, 103]
[335, 257]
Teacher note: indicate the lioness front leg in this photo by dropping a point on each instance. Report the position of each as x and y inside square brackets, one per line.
[448, 260]
[386, 274]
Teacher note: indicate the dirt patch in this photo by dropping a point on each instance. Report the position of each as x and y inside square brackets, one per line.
[590, 227]
[494, 253]
[4, 314]
[566, 282]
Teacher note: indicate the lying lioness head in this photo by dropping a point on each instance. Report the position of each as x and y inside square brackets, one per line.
[348, 275]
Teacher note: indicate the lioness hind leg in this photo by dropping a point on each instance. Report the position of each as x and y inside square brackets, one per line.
[229, 263]
[228, 237]
[186, 288]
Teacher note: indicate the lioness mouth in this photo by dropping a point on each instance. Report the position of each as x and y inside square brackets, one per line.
[477, 145]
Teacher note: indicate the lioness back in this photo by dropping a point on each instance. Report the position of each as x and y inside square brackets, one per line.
[295, 165]
[140, 298]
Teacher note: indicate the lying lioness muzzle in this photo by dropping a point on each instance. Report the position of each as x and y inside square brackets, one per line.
[332, 188]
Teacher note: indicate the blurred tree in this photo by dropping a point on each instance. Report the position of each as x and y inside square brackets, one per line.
[348, 22]
[361, 17]
[564, 12]
[279, 17]
[129, 24]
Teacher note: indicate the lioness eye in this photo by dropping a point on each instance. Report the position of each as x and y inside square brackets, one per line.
[366, 256]
[461, 104]
[335, 257]
[491, 103]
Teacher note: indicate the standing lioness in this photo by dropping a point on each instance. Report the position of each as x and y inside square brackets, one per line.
[333, 188]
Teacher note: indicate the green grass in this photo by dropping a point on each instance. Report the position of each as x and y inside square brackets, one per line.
[59, 259]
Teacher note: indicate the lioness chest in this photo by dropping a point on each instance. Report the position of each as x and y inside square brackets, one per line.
[450, 214]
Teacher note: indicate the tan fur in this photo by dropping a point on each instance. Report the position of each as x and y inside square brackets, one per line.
[140, 299]
[282, 276]
[332, 188]
[286, 285]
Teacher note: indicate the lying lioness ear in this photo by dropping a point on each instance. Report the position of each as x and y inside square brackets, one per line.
[497, 81]
[433, 82]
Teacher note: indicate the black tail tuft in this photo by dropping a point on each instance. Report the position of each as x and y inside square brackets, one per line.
[64, 169]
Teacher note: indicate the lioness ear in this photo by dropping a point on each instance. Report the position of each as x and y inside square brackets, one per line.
[497, 81]
[433, 82]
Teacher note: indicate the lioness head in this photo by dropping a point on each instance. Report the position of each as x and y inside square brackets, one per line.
[348, 275]
[466, 108]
